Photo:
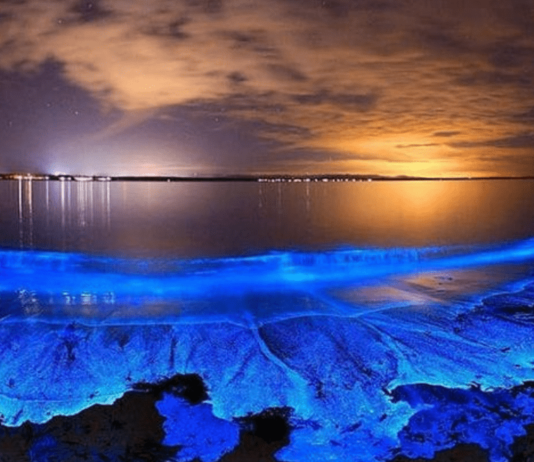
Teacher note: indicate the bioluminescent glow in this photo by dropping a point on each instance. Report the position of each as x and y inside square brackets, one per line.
[58, 279]
[362, 345]
[201, 427]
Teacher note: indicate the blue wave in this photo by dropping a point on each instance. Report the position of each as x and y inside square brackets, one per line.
[52, 271]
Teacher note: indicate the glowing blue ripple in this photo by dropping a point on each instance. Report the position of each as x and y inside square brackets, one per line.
[286, 329]
[58, 279]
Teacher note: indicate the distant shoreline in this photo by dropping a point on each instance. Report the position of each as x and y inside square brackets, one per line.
[246, 178]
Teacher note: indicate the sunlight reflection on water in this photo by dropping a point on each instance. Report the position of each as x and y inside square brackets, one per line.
[216, 219]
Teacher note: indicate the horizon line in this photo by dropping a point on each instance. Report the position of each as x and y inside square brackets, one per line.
[286, 177]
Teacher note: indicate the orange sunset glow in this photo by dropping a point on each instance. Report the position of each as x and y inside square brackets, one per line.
[210, 87]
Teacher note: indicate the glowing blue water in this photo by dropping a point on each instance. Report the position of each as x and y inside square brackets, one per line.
[192, 426]
[343, 338]
[47, 283]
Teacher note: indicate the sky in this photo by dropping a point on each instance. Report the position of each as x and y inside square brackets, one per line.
[217, 87]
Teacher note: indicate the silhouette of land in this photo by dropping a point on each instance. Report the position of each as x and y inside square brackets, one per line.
[289, 178]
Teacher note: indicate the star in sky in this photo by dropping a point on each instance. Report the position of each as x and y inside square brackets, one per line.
[440, 88]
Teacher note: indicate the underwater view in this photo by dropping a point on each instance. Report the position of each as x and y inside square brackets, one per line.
[276, 321]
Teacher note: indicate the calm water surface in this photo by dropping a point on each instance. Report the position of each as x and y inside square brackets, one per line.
[151, 219]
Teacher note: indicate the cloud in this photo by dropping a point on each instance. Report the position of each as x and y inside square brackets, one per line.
[311, 158]
[425, 145]
[520, 141]
[319, 75]
[446, 133]
[510, 55]
[84, 11]
[359, 102]
[526, 116]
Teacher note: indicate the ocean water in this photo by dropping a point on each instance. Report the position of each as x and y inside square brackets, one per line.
[385, 318]
[210, 219]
